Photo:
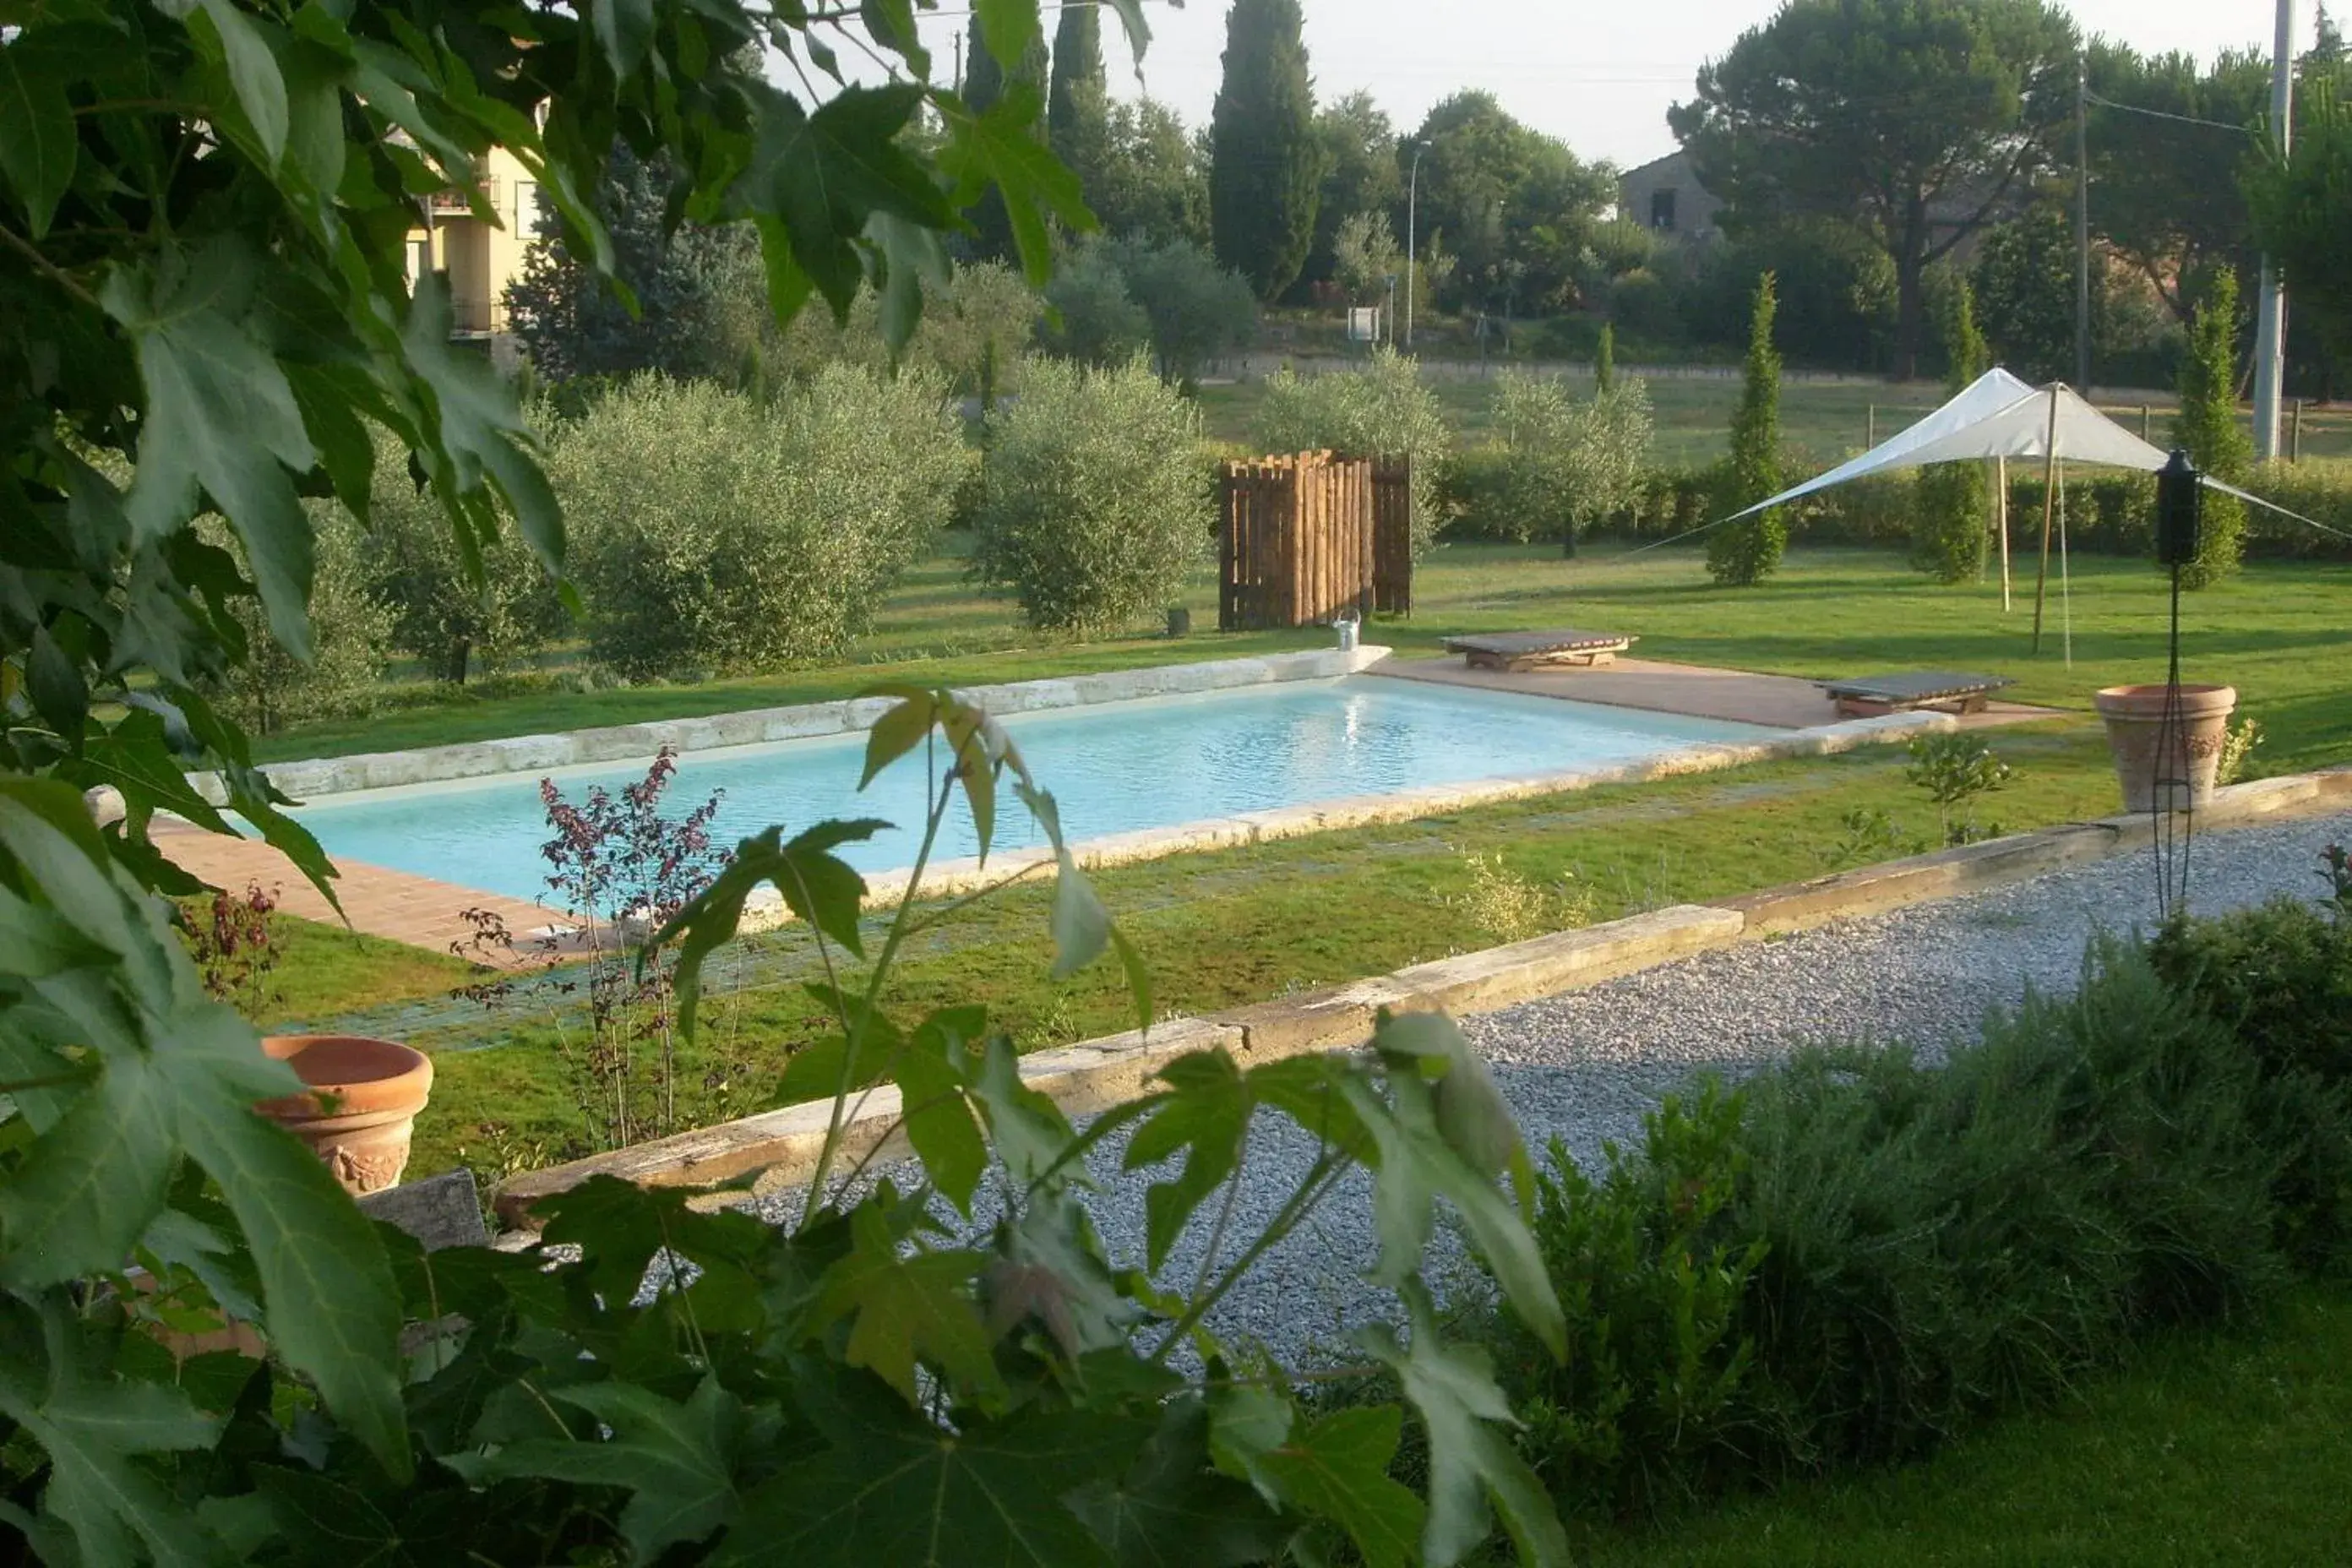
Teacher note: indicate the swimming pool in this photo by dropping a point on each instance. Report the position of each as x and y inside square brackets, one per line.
[1114, 767]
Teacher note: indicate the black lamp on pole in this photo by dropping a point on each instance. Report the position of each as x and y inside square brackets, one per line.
[2179, 506]
[2180, 510]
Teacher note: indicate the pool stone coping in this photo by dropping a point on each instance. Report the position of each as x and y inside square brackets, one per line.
[777, 1149]
[309, 779]
[765, 909]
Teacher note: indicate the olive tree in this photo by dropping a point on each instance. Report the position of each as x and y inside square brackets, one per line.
[1094, 497]
[721, 532]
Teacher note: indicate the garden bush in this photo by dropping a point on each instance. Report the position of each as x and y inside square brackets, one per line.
[1863, 1251]
[2280, 977]
[1379, 410]
[716, 532]
[1095, 504]
[349, 628]
[1557, 464]
[2320, 491]
[455, 625]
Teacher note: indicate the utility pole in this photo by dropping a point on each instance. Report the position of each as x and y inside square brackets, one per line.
[1412, 233]
[2270, 335]
[2083, 222]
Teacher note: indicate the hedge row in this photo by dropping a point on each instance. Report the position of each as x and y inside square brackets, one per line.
[1859, 1253]
[2107, 513]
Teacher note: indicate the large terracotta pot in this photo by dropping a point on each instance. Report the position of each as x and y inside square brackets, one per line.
[2135, 716]
[376, 1089]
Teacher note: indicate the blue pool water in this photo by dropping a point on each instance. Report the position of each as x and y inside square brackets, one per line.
[1113, 768]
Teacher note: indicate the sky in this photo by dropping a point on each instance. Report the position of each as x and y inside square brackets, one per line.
[1598, 74]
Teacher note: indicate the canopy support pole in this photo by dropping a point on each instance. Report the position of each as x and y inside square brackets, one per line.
[2000, 517]
[2049, 513]
[2065, 578]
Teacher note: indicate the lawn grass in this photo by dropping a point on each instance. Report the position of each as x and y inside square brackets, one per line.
[2211, 1449]
[324, 971]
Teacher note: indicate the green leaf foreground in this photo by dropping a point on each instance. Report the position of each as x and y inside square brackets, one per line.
[203, 209]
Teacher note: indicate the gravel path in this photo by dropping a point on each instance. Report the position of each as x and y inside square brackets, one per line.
[1584, 1067]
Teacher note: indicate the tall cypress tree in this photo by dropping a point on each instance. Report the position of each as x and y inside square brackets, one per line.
[985, 83]
[1266, 167]
[1746, 552]
[2206, 425]
[1079, 87]
[1951, 501]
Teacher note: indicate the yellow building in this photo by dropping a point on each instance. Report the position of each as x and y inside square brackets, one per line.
[480, 258]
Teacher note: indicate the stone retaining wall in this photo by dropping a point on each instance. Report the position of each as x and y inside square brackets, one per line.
[778, 1148]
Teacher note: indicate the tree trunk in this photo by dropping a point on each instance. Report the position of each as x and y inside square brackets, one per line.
[1910, 291]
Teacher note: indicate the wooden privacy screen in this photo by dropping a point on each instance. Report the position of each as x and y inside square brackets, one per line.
[1301, 540]
[1393, 536]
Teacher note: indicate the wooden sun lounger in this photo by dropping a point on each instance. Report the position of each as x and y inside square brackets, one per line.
[1536, 650]
[1951, 690]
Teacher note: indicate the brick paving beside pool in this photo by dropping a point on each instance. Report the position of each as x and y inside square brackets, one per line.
[1700, 692]
[376, 901]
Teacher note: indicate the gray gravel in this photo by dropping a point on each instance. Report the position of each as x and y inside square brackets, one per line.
[1583, 1067]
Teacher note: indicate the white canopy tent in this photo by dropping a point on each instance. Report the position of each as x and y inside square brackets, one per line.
[1994, 418]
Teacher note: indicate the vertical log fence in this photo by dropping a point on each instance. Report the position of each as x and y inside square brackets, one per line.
[1303, 539]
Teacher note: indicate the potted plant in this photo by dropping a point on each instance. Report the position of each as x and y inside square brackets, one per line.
[361, 1110]
[2135, 719]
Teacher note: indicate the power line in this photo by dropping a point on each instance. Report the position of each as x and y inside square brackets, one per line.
[2176, 118]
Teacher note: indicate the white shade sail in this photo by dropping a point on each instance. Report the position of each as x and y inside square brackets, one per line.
[1996, 415]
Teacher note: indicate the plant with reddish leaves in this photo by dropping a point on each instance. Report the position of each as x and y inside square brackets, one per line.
[621, 867]
[234, 948]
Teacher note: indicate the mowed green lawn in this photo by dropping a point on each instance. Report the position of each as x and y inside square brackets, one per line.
[2223, 1449]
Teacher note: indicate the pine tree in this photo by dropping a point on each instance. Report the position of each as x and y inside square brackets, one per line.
[1743, 553]
[1265, 169]
[1605, 359]
[2207, 426]
[985, 83]
[1948, 534]
[572, 321]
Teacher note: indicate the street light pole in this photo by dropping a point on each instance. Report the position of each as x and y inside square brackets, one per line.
[2270, 335]
[1412, 232]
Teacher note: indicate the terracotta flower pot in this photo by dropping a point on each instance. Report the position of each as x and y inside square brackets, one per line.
[2134, 715]
[376, 1089]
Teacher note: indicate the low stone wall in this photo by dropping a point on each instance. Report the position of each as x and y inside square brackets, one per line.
[624, 742]
[778, 1148]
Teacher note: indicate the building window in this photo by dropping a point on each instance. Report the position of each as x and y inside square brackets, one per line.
[1662, 210]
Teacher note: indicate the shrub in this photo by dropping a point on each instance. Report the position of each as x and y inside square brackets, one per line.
[718, 532]
[1095, 505]
[1561, 465]
[1744, 553]
[2280, 977]
[1953, 768]
[1379, 410]
[1194, 310]
[1950, 541]
[1861, 1251]
[2321, 490]
[456, 626]
[349, 629]
[1654, 1401]
[2206, 425]
[1092, 318]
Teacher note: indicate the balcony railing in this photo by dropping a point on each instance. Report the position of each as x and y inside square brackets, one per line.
[477, 318]
[454, 203]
